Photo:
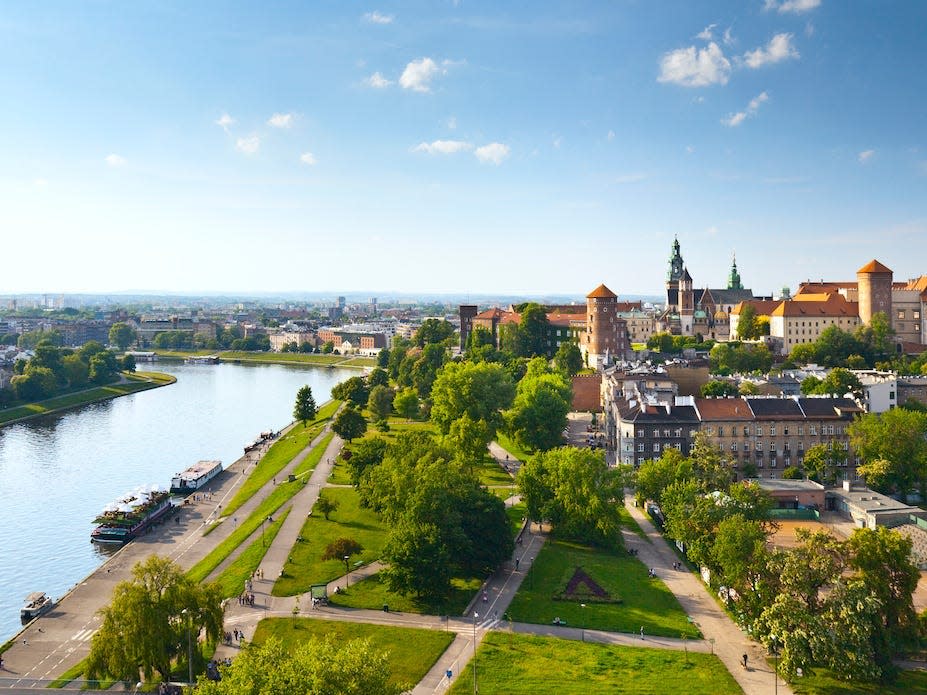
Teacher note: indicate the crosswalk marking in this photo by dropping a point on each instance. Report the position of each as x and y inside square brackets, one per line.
[83, 635]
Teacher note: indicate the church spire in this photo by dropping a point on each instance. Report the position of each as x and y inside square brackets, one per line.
[675, 263]
[733, 280]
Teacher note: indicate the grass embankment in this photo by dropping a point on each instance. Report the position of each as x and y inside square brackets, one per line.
[630, 523]
[232, 579]
[280, 454]
[305, 566]
[373, 593]
[510, 446]
[280, 495]
[299, 358]
[512, 663]
[412, 651]
[516, 514]
[643, 601]
[142, 381]
[824, 682]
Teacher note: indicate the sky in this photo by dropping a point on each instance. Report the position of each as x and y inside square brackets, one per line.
[459, 147]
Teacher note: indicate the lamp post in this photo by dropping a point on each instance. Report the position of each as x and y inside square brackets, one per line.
[582, 625]
[775, 651]
[347, 572]
[189, 649]
[475, 616]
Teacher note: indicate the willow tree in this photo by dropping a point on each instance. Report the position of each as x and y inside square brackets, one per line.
[152, 620]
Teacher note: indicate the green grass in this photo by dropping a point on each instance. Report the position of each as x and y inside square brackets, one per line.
[340, 474]
[275, 357]
[630, 523]
[373, 593]
[360, 362]
[306, 566]
[516, 515]
[412, 651]
[232, 579]
[76, 671]
[512, 663]
[644, 601]
[510, 446]
[80, 397]
[491, 473]
[824, 682]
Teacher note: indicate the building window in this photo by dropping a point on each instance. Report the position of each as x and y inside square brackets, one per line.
[656, 448]
[901, 314]
[733, 446]
[720, 431]
[813, 430]
[759, 446]
[679, 431]
[801, 430]
[640, 446]
[772, 430]
[746, 431]
[656, 433]
[759, 431]
[666, 434]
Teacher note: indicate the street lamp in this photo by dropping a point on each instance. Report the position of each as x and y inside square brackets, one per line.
[189, 649]
[775, 651]
[347, 572]
[582, 624]
[475, 616]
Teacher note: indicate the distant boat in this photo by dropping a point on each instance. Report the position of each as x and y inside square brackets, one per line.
[37, 603]
[131, 515]
[202, 359]
[195, 477]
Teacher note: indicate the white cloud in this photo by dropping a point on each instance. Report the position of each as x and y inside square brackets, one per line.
[377, 81]
[728, 37]
[442, 147]
[557, 141]
[452, 123]
[493, 153]
[225, 121]
[248, 144]
[736, 119]
[114, 160]
[307, 158]
[865, 156]
[791, 6]
[712, 231]
[611, 135]
[280, 120]
[706, 34]
[376, 17]
[691, 67]
[418, 75]
[778, 49]
[689, 149]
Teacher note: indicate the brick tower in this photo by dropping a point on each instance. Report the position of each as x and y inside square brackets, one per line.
[603, 327]
[874, 281]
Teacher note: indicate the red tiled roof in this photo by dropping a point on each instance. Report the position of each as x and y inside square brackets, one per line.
[493, 313]
[833, 305]
[723, 409]
[763, 307]
[601, 292]
[874, 266]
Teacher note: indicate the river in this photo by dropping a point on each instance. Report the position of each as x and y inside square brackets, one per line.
[57, 473]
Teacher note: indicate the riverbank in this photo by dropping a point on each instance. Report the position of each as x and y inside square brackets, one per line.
[284, 358]
[132, 383]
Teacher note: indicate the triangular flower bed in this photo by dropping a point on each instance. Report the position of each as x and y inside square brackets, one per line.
[582, 587]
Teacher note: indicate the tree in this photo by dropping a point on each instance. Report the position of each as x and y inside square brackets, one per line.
[328, 347]
[366, 454]
[145, 626]
[894, 450]
[377, 377]
[739, 553]
[533, 329]
[792, 473]
[338, 548]
[380, 402]
[822, 462]
[469, 438]
[748, 388]
[34, 384]
[716, 388]
[655, 475]
[748, 326]
[568, 358]
[103, 367]
[433, 331]
[313, 667]
[539, 413]
[383, 358]
[481, 390]
[122, 335]
[326, 505]
[840, 382]
[419, 561]
[349, 424]
[406, 404]
[75, 370]
[304, 409]
[127, 363]
[353, 390]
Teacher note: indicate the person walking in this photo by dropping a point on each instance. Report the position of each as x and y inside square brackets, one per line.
[642, 632]
[744, 657]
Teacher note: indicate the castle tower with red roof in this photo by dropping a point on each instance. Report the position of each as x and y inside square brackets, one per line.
[874, 282]
[606, 333]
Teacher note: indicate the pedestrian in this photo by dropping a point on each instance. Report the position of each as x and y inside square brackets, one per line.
[642, 632]
[485, 597]
[516, 564]
[744, 657]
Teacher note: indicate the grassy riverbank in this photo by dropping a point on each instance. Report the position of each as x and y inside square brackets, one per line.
[300, 358]
[140, 381]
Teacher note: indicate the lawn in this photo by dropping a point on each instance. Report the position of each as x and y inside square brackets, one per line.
[643, 601]
[373, 593]
[232, 579]
[306, 567]
[630, 523]
[274, 357]
[491, 473]
[823, 682]
[412, 651]
[513, 663]
[510, 446]
[516, 514]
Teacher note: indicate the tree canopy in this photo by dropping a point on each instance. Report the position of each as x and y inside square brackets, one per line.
[539, 412]
[304, 409]
[349, 424]
[893, 448]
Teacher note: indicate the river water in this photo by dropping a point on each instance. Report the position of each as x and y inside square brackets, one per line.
[57, 473]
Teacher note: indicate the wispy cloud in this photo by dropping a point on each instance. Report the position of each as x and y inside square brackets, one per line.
[248, 144]
[225, 122]
[736, 119]
[610, 136]
[443, 147]
[493, 153]
[377, 81]
[280, 120]
[791, 6]
[114, 160]
[635, 177]
[778, 49]
[419, 73]
[376, 17]
[452, 123]
[706, 34]
[695, 67]
[308, 158]
[865, 156]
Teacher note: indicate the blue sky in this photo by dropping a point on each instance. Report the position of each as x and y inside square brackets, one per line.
[458, 146]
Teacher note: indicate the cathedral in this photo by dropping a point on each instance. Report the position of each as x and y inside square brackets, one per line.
[695, 311]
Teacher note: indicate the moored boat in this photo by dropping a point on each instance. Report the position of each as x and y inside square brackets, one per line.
[37, 603]
[195, 477]
[131, 515]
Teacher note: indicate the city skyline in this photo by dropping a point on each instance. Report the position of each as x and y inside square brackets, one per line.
[458, 147]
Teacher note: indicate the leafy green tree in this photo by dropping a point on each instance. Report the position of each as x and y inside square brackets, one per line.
[739, 552]
[568, 358]
[383, 358]
[326, 505]
[406, 404]
[103, 367]
[304, 408]
[144, 628]
[822, 462]
[29, 339]
[748, 327]
[480, 390]
[792, 473]
[367, 453]
[893, 446]
[377, 377]
[433, 331]
[349, 424]
[748, 388]
[732, 358]
[127, 363]
[380, 402]
[531, 338]
[839, 382]
[539, 412]
[338, 548]
[661, 342]
[810, 384]
[122, 335]
[655, 475]
[469, 438]
[313, 667]
[353, 390]
[75, 370]
[34, 384]
[716, 388]
[419, 561]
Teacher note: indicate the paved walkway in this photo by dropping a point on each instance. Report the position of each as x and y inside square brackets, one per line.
[728, 640]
